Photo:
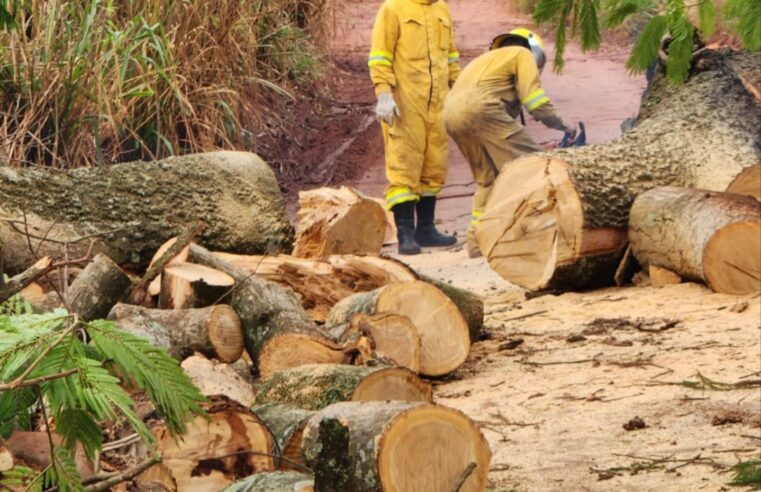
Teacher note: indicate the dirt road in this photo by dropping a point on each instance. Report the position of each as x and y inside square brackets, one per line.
[561, 378]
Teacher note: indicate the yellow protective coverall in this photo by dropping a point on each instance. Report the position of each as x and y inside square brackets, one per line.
[413, 55]
[481, 115]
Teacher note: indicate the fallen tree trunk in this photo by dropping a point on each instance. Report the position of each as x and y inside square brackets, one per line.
[218, 378]
[565, 225]
[316, 386]
[225, 445]
[444, 334]
[274, 482]
[700, 235]
[287, 425]
[338, 221]
[214, 331]
[133, 208]
[373, 446]
[185, 286]
[97, 289]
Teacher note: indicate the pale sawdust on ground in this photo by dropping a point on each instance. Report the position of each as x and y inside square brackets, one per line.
[556, 423]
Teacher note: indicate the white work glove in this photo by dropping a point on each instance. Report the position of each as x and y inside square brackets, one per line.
[386, 109]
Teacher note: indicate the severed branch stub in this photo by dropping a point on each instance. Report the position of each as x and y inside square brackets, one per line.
[43, 266]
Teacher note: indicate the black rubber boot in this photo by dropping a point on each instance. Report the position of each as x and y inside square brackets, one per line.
[426, 233]
[404, 216]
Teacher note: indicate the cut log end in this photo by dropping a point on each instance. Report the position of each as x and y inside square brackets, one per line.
[225, 333]
[748, 182]
[297, 349]
[394, 337]
[392, 383]
[731, 259]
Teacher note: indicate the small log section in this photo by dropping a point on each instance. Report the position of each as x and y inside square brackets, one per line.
[186, 285]
[281, 481]
[748, 182]
[338, 221]
[371, 446]
[6, 457]
[155, 286]
[287, 425]
[564, 227]
[316, 386]
[700, 235]
[214, 331]
[135, 207]
[216, 378]
[228, 444]
[444, 334]
[97, 289]
[393, 337]
[32, 449]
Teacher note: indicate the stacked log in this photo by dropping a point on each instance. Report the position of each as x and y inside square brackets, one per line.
[565, 226]
[287, 424]
[274, 482]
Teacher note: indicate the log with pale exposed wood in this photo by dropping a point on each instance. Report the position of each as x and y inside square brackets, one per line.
[392, 337]
[217, 378]
[155, 286]
[281, 481]
[316, 386]
[214, 331]
[32, 449]
[371, 446]
[286, 422]
[287, 349]
[565, 225]
[748, 182]
[700, 235]
[227, 444]
[132, 208]
[470, 304]
[18, 283]
[33, 293]
[338, 221]
[187, 285]
[444, 335]
[6, 456]
[97, 289]
[660, 277]
[390, 235]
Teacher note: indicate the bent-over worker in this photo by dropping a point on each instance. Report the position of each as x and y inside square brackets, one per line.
[482, 111]
[413, 62]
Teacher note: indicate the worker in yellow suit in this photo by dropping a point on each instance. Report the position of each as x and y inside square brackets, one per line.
[482, 111]
[413, 61]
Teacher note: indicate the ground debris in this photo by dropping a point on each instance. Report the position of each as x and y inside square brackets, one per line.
[729, 417]
[635, 424]
[599, 326]
[511, 344]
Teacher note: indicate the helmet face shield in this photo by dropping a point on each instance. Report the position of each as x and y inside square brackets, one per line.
[527, 39]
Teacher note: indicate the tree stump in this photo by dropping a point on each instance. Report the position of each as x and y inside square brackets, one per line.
[97, 289]
[700, 235]
[373, 446]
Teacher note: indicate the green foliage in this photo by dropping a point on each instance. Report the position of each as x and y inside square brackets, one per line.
[747, 473]
[671, 17]
[80, 384]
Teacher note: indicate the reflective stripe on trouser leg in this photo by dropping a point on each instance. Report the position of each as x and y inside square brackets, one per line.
[400, 195]
[404, 144]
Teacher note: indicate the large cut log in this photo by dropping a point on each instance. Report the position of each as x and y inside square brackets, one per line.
[225, 445]
[700, 235]
[186, 285]
[97, 289]
[444, 335]
[286, 423]
[748, 182]
[217, 378]
[316, 386]
[565, 225]
[214, 331]
[139, 205]
[470, 304]
[282, 481]
[372, 446]
[338, 221]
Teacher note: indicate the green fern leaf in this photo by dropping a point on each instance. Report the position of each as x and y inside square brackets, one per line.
[74, 425]
[707, 15]
[590, 27]
[744, 17]
[747, 473]
[21, 478]
[646, 48]
[547, 10]
[619, 11]
[64, 473]
[680, 52]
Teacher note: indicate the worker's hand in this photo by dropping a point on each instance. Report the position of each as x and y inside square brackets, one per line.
[386, 109]
[570, 131]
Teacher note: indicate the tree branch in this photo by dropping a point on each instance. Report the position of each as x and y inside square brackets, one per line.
[34, 382]
[123, 476]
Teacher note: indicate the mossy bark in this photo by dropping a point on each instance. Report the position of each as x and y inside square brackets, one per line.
[97, 289]
[286, 422]
[144, 204]
[282, 481]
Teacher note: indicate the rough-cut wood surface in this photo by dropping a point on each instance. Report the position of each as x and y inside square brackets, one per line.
[97, 289]
[660, 276]
[281, 481]
[470, 304]
[286, 422]
[338, 221]
[700, 235]
[214, 331]
[285, 350]
[748, 182]
[209, 457]
[400, 446]
[444, 334]
[234, 193]
[316, 386]
[565, 225]
[217, 378]
[155, 286]
[186, 285]
[392, 337]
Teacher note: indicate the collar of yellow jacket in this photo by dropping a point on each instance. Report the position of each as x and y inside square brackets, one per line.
[425, 2]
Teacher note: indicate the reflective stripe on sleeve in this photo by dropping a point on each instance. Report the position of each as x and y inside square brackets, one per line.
[454, 57]
[380, 57]
[535, 99]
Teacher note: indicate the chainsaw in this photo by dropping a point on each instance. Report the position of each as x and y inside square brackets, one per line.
[581, 138]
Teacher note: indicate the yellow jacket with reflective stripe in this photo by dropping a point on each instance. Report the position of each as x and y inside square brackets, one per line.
[413, 53]
[509, 75]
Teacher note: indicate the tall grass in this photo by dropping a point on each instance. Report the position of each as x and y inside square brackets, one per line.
[101, 81]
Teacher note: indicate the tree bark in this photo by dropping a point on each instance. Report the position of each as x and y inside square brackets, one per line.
[316, 386]
[214, 331]
[281, 481]
[374, 446]
[565, 225]
[287, 424]
[444, 334]
[338, 221]
[218, 378]
[97, 289]
[137, 206]
[700, 235]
